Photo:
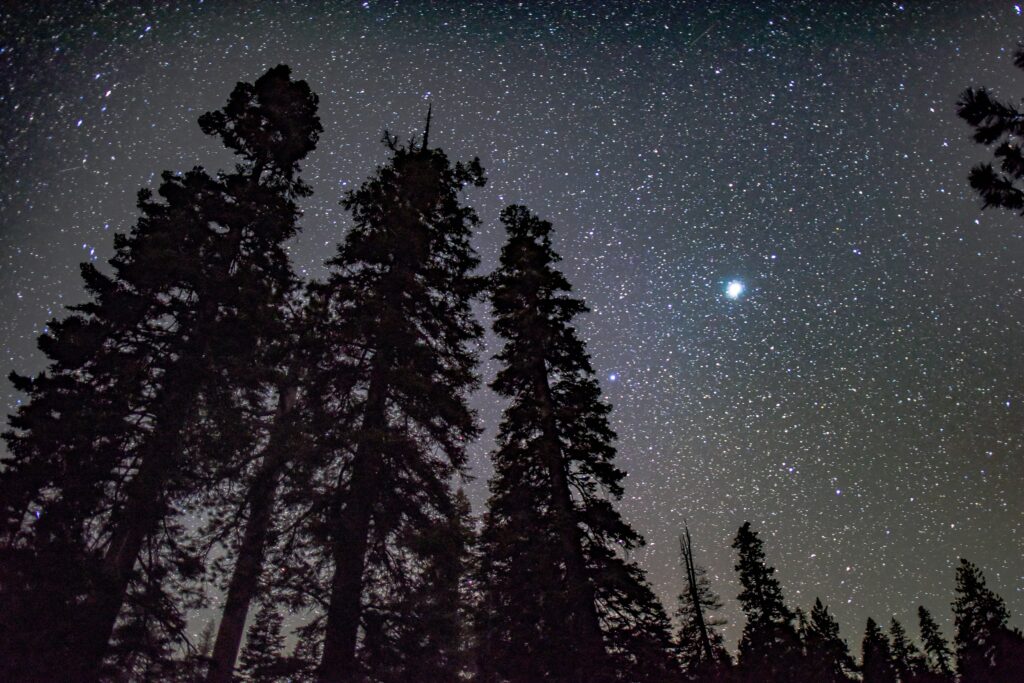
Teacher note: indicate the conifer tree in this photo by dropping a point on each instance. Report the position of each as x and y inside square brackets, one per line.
[935, 646]
[876, 656]
[258, 505]
[699, 643]
[143, 643]
[907, 660]
[986, 648]
[1000, 124]
[417, 630]
[306, 657]
[828, 656]
[398, 319]
[172, 333]
[560, 602]
[262, 659]
[769, 647]
[195, 662]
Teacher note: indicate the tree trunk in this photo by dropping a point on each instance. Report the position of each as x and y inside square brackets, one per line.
[591, 657]
[691, 580]
[351, 536]
[249, 565]
[142, 513]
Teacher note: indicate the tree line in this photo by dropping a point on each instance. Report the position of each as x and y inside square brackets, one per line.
[207, 418]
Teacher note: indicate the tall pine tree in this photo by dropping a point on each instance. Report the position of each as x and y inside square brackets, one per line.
[828, 655]
[699, 643]
[195, 291]
[263, 659]
[769, 647]
[935, 646]
[876, 655]
[560, 601]
[987, 649]
[259, 496]
[399, 320]
[907, 660]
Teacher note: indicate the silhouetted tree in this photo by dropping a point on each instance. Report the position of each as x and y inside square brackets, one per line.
[257, 507]
[986, 648]
[399, 319]
[144, 642]
[417, 630]
[262, 659]
[306, 657]
[699, 644]
[560, 602]
[827, 655]
[935, 646]
[996, 122]
[907, 660]
[195, 662]
[769, 647]
[195, 289]
[876, 656]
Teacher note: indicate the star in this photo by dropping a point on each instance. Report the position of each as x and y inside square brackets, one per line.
[734, 289]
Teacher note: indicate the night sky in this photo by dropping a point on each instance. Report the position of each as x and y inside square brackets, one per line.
[799, 313]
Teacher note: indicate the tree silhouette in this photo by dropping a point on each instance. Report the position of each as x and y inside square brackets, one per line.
[828, 656]
[398, 319]
[769, 647]
[560, 602]
[907, 660]
[195, 289]
[986, 648]
[257, 506]
[935, 646]
[418, 632]
[1000, 124]
[700, 645]
[262, 659]
[876, 656]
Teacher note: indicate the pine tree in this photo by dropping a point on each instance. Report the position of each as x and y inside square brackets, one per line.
[769, 647]
[262, 659]
[700, 645]
[163, 349]
[996, 122]
[986, 648]
[196, 661]
[876, 655]
[143, 643]
[259, 503]
[399, 320]
[907, 660]
[306, 656]
[560, 602]
[828, 656]
[416, 631]
[935, 646]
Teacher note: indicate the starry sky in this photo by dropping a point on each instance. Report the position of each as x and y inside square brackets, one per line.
[799, 312]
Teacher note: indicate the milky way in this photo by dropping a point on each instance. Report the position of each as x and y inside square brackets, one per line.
[860, 401]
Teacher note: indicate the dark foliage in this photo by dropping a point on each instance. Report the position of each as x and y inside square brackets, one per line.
[560, 601]
[936, 649]
[399, 354]
[699, 643]
[876, 655]
[769, 647]
[827, 654]
[987, 649]
[147, 391]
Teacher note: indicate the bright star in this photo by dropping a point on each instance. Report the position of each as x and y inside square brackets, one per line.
[734, 289]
